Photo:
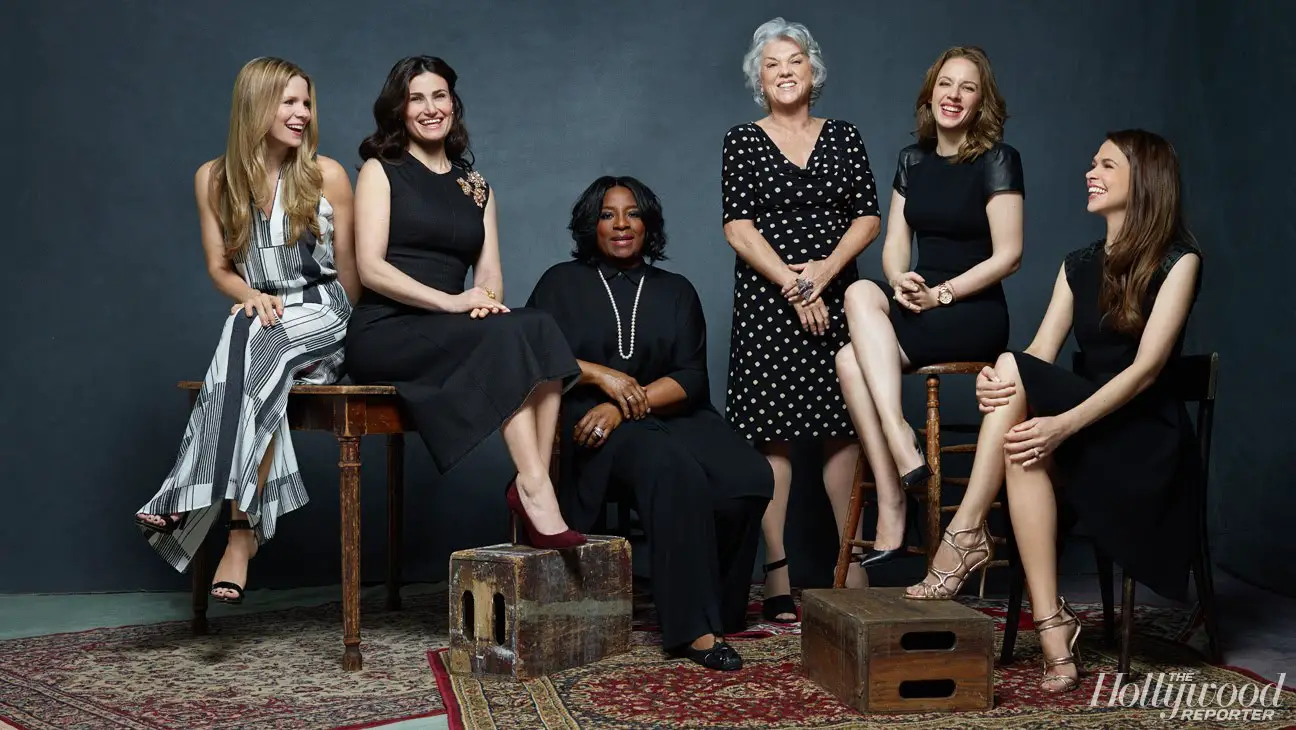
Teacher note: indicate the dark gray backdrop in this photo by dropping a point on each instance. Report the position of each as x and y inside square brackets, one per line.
[112, 108]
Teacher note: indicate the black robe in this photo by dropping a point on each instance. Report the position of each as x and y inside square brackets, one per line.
[700, 488]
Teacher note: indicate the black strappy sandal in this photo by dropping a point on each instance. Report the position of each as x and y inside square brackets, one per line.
[238, 589]
[172, 524]
[773, 606]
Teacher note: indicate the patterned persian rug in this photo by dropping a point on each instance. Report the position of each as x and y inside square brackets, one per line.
[262, 671]
[644, 689]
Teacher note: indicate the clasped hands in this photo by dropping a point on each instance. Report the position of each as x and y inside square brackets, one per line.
[1031, 441]
[629, 401]
[910, 291]
[802, 288]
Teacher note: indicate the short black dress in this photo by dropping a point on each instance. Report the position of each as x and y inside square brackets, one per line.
[458, 378]
[1132, 479]
[783, 380]
[945, 206]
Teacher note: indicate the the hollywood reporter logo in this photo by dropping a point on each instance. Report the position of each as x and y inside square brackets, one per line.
[1185, 699]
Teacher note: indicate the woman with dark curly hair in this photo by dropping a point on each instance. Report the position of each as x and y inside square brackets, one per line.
[641, 423]
[463, 364]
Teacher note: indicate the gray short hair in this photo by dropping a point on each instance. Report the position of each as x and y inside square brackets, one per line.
[798, 34]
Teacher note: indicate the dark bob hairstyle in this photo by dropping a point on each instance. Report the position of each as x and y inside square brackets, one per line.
[390, 139]
[585, 218]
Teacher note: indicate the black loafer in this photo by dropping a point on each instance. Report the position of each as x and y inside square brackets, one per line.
[720, 656]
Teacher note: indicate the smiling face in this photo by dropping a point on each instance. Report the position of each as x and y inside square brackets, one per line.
[620, 227]
[1108, 180]
[786, 74]
[292, 115]
[429, 109]
[956, 97]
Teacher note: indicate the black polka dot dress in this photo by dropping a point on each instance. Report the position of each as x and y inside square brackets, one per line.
[782, 380]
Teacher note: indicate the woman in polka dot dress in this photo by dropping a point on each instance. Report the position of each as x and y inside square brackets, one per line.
[800, 205]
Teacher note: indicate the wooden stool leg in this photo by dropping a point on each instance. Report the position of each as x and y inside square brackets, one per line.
[1127, 623]
[1016, 589]
[934, 461]
[395, 516]
[1105, 578]
[198, 571]
[851, 524]
[349, 482]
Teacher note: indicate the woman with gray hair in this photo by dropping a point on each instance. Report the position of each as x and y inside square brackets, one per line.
[800, 204]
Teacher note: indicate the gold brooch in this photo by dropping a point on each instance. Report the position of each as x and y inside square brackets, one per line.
[474, 186]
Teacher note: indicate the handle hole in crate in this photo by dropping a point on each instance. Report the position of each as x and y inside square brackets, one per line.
[468, 615]
[926, 689]
[928, 640]
[499, 619]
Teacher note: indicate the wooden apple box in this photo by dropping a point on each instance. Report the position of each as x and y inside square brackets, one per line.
[882, 653]
[520, 612]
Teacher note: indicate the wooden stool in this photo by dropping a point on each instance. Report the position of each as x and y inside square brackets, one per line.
[878, 651]
[524, 613]
[928, 494]
[348, 412]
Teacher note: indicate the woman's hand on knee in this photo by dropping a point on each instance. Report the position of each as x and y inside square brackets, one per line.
[991, 392]
[1035, 440]
[267, 306]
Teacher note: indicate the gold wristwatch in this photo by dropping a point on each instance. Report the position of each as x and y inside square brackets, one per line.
[945, 294]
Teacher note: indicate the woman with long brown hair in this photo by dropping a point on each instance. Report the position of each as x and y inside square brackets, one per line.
[1108, 439]
[276, 231]
[959, 190]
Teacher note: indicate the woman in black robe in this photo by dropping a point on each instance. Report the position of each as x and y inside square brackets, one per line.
[641, 423]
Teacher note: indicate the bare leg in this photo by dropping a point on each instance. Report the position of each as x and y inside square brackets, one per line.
[986, 477]
[890, 498]
[777, 582]
[838, 477]
[548, 402]
[531, 458]
[242, 544]
[881, 360]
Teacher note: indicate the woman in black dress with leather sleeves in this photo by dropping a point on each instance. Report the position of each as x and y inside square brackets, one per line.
[959, 190]
[640, 422]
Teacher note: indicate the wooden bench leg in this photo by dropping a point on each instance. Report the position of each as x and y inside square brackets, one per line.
[395, 516]
[198, 571]
[349, 482]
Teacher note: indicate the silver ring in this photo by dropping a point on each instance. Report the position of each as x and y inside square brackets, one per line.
[598, 431]
[630, 397]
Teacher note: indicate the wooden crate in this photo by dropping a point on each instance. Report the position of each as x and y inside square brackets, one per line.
[882, 653]
[520, 612]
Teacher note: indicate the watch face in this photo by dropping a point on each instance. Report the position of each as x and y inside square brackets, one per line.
[945, 297]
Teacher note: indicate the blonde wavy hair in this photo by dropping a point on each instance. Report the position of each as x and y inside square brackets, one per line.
[987, 127]
[237, 174]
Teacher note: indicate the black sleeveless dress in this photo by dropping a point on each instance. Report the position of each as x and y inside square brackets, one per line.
[1133, 478]
[945, 206]
[458, 378]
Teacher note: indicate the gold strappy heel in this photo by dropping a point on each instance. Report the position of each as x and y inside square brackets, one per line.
[940, 591]
[1060, 682]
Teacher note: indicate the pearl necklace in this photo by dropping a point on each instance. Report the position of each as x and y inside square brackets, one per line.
[634, 315]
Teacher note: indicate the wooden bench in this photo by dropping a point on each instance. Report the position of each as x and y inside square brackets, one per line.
[348, 412]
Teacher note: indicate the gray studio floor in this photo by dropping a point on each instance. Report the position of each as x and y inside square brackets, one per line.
[1258, 627]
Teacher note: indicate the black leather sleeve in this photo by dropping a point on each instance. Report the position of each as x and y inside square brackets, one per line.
[909, 156]
[1003, 171]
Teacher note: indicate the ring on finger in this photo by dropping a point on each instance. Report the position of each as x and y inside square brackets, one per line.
[1039, 453]
[598, 432]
